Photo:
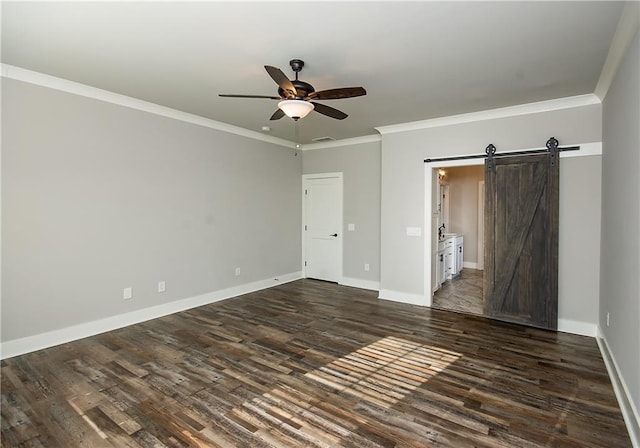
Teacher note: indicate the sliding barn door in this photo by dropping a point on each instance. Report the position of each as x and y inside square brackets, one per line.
[521, 240]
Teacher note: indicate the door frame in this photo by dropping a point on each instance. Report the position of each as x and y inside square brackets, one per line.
[480, 251]
[305, 179]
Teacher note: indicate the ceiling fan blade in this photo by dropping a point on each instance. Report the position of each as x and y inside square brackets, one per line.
[335, 94]
[282, 81]
[329, 111]
[278, 114]
[226, 95]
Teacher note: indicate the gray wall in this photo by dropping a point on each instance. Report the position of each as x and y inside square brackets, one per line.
[360, 165]
[98, 197]
[620, 262]
[403, 202]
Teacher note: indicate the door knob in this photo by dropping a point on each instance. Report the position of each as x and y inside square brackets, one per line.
[334, 234]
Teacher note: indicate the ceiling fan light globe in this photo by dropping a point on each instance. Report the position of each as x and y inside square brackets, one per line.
[295, 109]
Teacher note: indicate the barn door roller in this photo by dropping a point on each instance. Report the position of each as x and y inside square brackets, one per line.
[552, 147]
[491, 151]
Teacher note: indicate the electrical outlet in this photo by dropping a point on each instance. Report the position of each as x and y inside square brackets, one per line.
[128, 293]
[607, 318]
[366, 267]
[237, 272]
[162, 286]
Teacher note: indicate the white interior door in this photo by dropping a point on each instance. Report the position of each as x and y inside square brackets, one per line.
[323, 226]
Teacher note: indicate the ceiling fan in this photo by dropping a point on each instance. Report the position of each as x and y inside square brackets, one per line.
[297, 97]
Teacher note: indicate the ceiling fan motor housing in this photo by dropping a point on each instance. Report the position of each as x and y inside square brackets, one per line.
[303, 89]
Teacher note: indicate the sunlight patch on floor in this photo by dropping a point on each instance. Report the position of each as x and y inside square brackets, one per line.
[381, 373]
[385, 371]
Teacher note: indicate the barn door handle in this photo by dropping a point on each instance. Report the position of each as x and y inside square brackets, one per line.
[334, 234]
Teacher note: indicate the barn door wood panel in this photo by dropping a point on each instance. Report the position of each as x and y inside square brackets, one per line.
[521, 240]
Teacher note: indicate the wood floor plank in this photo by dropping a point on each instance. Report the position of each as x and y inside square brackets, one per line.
[313, 364]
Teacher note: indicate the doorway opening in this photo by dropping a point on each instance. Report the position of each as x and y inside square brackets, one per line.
[458, 238]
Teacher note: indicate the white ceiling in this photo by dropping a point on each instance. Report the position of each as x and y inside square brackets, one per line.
[417, 60]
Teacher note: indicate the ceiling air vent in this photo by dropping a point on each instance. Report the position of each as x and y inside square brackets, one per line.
[323, 139]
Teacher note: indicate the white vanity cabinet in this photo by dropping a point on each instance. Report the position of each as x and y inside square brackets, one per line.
[449, 257]
[459, 254]
[453, 254]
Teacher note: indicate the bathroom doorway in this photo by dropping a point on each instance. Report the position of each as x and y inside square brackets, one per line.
[458, 221]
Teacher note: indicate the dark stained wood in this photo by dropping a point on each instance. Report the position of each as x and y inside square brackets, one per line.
[521, 240]
[313, 364]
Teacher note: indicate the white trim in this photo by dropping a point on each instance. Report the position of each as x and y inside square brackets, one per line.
[492, 114]
[627, 407]
[586, 149]
[343, 142]
[63, 85]
[404, 297]
[480, 232]
[578, 327]
[49, 339]
[2, 72]
[359, 283]
[626, 30]
[430, 178]
[305, 178]
[469, 264]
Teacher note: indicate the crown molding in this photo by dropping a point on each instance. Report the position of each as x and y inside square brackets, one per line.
[491, 114]
[63, 85]
[627, 28]
[343, 142]
[52, 82]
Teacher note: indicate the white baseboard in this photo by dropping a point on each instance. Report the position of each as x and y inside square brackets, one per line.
[470, 265]
[404, 297]
[578, 327]
[51, 338]
[359, 283]
[629, 411]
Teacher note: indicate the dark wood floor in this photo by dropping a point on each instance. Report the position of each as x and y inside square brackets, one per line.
[462, 293]
[313, 364]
